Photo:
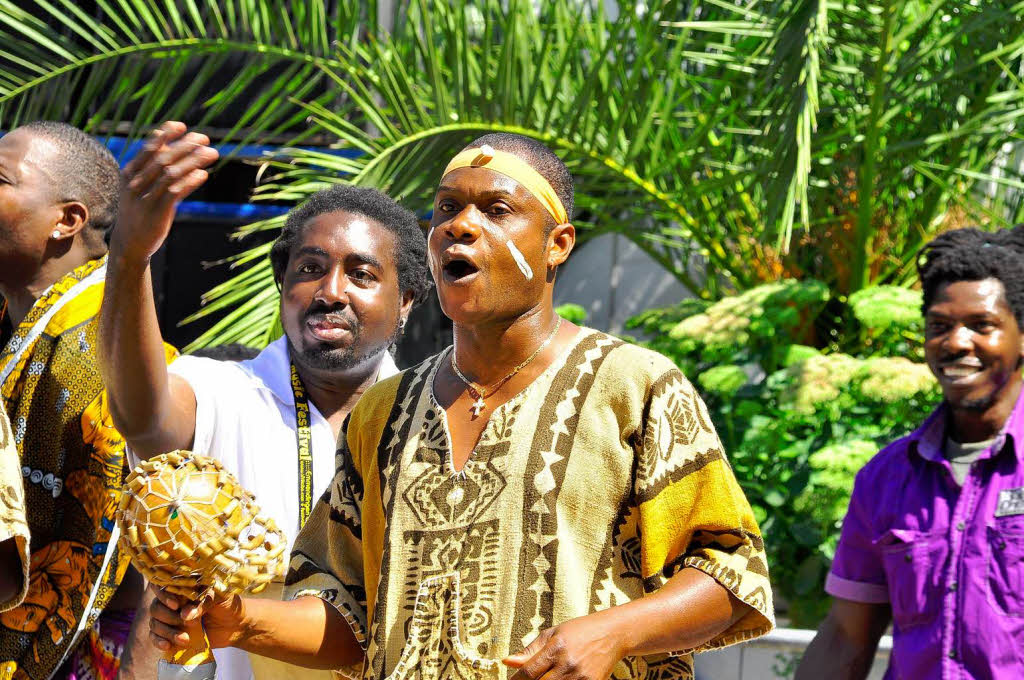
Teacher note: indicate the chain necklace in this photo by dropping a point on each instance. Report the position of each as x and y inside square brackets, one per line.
[481, 392]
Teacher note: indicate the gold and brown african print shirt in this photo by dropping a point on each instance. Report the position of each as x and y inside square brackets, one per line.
[592, 487]
[72, 464]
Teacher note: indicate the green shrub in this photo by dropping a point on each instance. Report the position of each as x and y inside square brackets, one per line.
[572, 312]
[797, 416]
[890, 319]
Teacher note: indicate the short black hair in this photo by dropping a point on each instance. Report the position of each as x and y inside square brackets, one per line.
[971, 254]
[410, 251]
[84, 169]
[540, 157]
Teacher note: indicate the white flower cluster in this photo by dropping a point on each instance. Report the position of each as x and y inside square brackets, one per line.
[727, 322]
[820, 380]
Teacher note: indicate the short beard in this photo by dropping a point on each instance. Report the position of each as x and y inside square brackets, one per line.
[339, 359]
[978, 405]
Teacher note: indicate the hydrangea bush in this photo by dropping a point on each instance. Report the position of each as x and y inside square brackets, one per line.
[800, 405]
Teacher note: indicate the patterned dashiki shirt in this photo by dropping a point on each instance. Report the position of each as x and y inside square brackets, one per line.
[592, 487]
[72, 463]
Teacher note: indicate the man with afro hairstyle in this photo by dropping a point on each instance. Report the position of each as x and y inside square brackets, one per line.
[933, 540]
[350, 264]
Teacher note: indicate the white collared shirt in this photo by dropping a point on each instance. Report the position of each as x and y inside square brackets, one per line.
[245, 418]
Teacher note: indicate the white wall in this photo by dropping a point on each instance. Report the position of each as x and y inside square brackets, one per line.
[613, 280]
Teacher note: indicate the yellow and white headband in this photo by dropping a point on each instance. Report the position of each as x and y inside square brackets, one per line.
[512, 166]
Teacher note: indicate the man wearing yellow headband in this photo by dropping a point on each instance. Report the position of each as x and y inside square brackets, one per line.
[539, 500]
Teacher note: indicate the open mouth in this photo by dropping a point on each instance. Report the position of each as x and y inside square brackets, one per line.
[457, 268]
[961, 370]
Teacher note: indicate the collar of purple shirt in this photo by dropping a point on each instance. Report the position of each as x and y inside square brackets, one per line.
[928, 440]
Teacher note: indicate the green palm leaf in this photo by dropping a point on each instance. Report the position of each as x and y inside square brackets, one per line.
[135, 63]
[702, 131]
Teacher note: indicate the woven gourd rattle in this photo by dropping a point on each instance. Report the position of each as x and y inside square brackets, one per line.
[190, 528]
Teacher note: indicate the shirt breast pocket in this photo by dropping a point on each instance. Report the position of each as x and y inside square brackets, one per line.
[914, 567]
[1006, 566]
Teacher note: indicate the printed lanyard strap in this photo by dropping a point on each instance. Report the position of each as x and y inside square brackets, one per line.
[305, 440]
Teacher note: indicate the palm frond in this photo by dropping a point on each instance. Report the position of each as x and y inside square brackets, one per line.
[134, 63]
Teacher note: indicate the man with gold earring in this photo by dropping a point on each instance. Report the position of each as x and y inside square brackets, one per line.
[538, 500]
[58, 197]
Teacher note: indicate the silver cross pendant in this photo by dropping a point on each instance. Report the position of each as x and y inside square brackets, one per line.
[477, 406]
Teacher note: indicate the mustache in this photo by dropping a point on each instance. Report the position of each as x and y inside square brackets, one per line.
[331, 316]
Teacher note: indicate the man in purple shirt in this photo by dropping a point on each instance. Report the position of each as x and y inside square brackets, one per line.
[934, 537]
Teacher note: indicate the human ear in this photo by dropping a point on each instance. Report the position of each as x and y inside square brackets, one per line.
[560, 243]
[72, 219]
[407, 299]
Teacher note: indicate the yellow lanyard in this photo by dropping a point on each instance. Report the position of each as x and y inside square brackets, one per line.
[305, 440]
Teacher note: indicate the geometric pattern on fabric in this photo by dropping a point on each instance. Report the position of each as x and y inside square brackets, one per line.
[589, 489]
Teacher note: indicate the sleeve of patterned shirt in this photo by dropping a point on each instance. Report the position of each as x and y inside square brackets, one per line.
[692, 512]
[336, 555]
[12, 506]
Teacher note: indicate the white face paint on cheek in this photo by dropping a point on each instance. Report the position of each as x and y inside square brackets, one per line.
[524, 266]
[517, 254]
[432, 263]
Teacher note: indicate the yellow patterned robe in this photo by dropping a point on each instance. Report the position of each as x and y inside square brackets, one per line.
[72, 462]
[589, 489]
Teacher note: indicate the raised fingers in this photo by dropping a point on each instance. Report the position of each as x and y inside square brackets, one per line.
[168, 132]
[171, 163]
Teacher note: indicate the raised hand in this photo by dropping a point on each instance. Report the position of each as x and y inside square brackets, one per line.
[170, 166]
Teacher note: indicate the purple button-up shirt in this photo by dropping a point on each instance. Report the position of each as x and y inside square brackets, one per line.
[949, 560]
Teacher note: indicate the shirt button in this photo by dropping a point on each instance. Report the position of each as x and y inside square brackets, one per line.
[952, 587]
[959, 526]
[952, 654]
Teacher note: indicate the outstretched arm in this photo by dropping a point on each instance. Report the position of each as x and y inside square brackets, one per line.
[690, 609]
[156, 412]
[305, 632]
[846, 642]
